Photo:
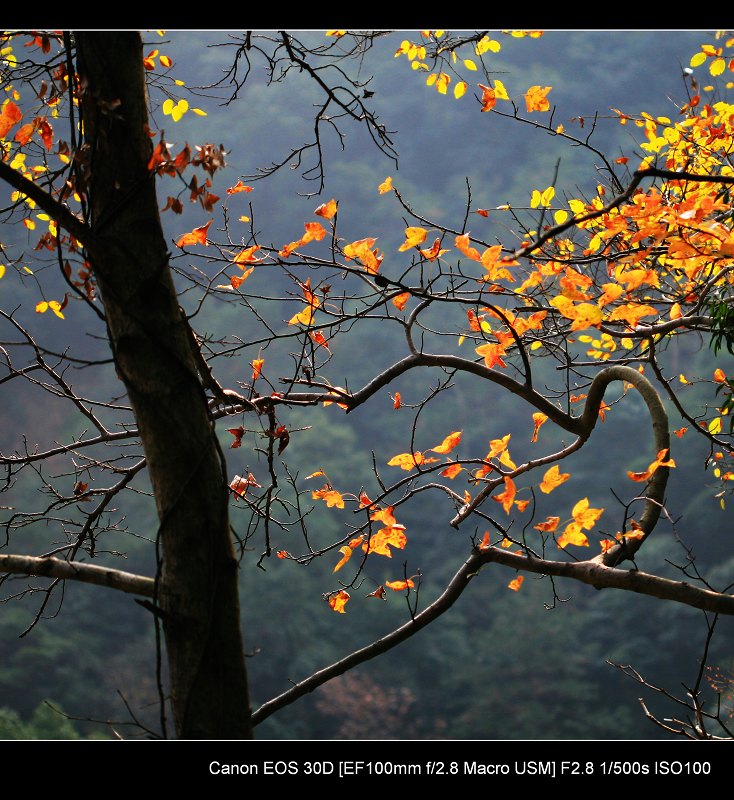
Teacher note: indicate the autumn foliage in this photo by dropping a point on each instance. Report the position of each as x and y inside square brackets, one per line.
[570, 302]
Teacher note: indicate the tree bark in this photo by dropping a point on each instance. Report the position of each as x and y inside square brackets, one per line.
[151, 343]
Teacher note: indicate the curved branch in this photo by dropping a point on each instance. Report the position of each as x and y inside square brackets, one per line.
[655, 493]
[452, 593]
[77, 571]
[589, 572]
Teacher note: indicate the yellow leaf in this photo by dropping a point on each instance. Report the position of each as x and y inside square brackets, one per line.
[715, 426]
[469, 64]
[460, 89]
[2, 270]
[698, 59]
[552, 479]
[413, 237]
[385, 186]
[572, 535]
[500, 91]
[304, 317]
[717, 66]
[560, 216]
[547, 196]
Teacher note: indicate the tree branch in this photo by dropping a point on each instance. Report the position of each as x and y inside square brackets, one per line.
[74, 570]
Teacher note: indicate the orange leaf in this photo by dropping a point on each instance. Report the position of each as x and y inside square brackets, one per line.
[247, 256]
[330, 496]
[336, 398]
[413, 237]
[486, 541]
[196, 236]
[381, 541]
[257, 366]
[507, 497]
[384, 515]
[400, 301]
[406, 461]
[536, 99]
[398, 586]
[379, 593]
[239, 187]
[516, 584]
[397, 401]
[10, 116]
[283, 554]
[553, 478]
[680, 432]
[326, 210]
[482, 212]
[449, 443]
[583, 515]
[434, 251]
[462, 244]
[550, 524]
[237, 280]
[338, 601]
[492, 354]
[24, 133]
[452, 471]
[538, 419]
[572, 535]
[719, 375]
[489, 97]
[362, 250]
[346, 552]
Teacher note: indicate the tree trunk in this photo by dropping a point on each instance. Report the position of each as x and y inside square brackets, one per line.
[152, 347]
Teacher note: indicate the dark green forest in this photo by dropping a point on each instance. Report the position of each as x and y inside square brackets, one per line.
[534, 664]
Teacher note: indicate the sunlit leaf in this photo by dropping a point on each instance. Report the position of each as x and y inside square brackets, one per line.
[398, 586]
[381, 542]
[10, 115]
[536, 98]
[413, 237]
[196, 236]
[385, 186]
[539, 418]
[516, 583]
[507, 497]
[553, 478]
[338, 601]
[452, 471]
[449, 443]
[572, 534]
[239, 187]
[330, 496]
[550, 524]
[327, 210]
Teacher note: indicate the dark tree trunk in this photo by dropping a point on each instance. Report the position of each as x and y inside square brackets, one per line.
[152, 346]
